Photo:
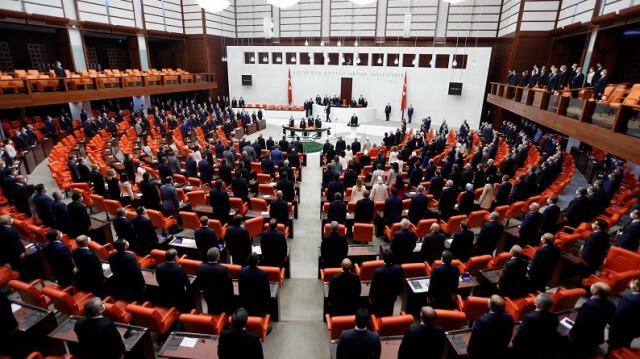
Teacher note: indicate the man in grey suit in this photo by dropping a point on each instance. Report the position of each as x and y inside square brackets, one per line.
[170, 202]
[174, 163]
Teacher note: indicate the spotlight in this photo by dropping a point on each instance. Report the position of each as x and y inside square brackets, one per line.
[396, 61]
[454, 63]
[379, 60]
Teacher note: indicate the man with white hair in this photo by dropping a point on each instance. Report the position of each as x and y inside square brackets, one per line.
[529, 231]
[403, 243]
[98, 337]
[593, 316]
[379, 190]
[513, 282]
[537, 331]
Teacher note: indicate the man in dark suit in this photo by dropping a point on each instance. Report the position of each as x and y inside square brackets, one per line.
[365, 209]
[191, 166]
[219, 200]
[253, 286]
[554, 81]
[600, 85]
[537, 333]
[418, 206]
[529, 231]
[630, 235]
[595, 247]
[387, 111]
[98, 337]
[216, 284]
[512, 282]
[238, 241]
[624, 326]
[423, 340]
[593, 316]
[60, 213]
[576, 82]
[334, 247]
[359, 343]
[490, 233]
[519, 190]
[344, 291]
[550, 216]
[432, 245]
[59, 70]
[127, 281]
[205, 237]
[436, 184]
[274, 246]
[403, 243]
[149, 191]
[334, 187]
[12, 250]
[90, 277]
[462, 243]
[337, 209]
[578, 209]
[123, 227]
[238, 342]
[174, 283]
[502, 192]
[80, 222]
[97, 180]
[543, 263]
[386, 285]
[146, 233]
[392, 208]
[60, 260]
[447, 202]
[443, 286]
[491, 332]
[279, 209]
[21, 196]
[206, 173]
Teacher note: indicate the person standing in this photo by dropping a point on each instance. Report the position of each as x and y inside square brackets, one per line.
[98, 337]
[624, 326]
[254, 287]
[387, 111]
[424, 335]
[593, 316]
[238, 342]
[216, 283]
[344, 290]
[491, 332]
[360, 342]
[386, 285]
[537, 333]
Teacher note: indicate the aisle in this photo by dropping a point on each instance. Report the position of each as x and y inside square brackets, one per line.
[301, 333]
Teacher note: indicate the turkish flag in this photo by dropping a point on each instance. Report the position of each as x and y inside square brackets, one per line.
[403, 105]
[289, 89]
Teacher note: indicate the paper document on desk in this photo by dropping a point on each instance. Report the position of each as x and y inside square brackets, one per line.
[15, 307]
[567, 323]
[189, 342]
[105, 266]
[419, 286]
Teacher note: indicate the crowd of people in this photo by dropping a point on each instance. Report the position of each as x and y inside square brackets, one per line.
[560, 78]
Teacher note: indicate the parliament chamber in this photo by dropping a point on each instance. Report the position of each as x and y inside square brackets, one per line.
[319, 179]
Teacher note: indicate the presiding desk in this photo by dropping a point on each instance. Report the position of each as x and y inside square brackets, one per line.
[137, 340]
[388, 350]
[181, 345]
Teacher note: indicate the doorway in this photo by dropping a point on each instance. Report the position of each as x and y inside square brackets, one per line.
[345, 89]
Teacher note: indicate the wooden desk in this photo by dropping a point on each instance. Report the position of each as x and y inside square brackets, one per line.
[508, 237]
[206, 210]
[252, 128]
[415, 294]
[458, 340]
[137, 344]
[274, 303]
[206, 346]
[100, 231]
[389, 347]
[150, 280]
[262, 125]
[29, 316]
[491, 275]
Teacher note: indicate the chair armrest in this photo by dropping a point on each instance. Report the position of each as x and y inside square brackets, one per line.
[147, 305]
[38, 281]
[108, 247]
[172, 313]
[329, 322]
[70, 289]
[193, 312]
[108, 299]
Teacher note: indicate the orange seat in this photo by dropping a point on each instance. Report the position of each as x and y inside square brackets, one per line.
[476, 218]
[274, 274]
[499, 260]
[264, 178]
[160, 221]
[620, 266]
[67, 300]
[203, 323]
[502, 210]
[363, 232]
[411, 270]
[196, 198]
[38, 355]
[390, 232]
[341, 229]
[366, 269]
[157, 319]
[7, 274]
[392, 325]
[190, 220]
[429, 268]
[449, 319]
[158, 256]
[453, 224]
[339, 323]
[625, 353]
[258, 326]
[30, 293]
[99, 203]
[473, 307]
[101, 250]
[514, 211]
[267, 189]
[238, 205]
[475, 264]
[180, 179]
[254, 226]
[424, 227]
[566, 299]
[234, 270]
[112, 206]
[259, 204]
[195, 181]
[190, 266]
[115, 310]
[327, 274]
[518, 308]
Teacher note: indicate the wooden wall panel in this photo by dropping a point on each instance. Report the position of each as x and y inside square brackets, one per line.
[531, 48]
[195, 53]
[216, 66]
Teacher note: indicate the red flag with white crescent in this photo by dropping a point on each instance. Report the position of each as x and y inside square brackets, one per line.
[403, 105]
[289, 89]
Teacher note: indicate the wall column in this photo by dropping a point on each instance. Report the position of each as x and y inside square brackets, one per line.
[144, 55]
[587, 58]
[77, 49]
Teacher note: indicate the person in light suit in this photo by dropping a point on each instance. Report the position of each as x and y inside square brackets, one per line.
[403, 242]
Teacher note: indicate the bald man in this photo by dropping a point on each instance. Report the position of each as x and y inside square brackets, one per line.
[491, 332]
[529, 231]
[423, 340]
[344, 290]
[593, 316]
[513, 282]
